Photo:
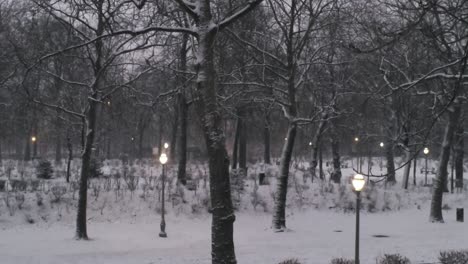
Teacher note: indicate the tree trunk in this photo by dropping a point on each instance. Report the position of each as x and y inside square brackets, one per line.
[279, 212]
[440, 183]
[70, 156]
[390, 161]
[58, 140]
[335, 144]
[81, 230]
[235, 148]
[315, 147]
[407, 160]
[27, 150]
[182, 146]
[459, 154]
[222, 243]
[243, 142]
[175, 127]
[266, 140]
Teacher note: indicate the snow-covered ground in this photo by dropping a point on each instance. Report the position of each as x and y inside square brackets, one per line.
[124, 225]
[315, 237]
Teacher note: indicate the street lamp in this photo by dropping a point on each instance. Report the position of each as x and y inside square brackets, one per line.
[163, 159]
[381, 154]
[358, 158]
[358, 184]
[426, 152]
[166, 145]
[33, 139]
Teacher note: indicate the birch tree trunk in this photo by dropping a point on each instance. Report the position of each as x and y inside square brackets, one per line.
[440, 183]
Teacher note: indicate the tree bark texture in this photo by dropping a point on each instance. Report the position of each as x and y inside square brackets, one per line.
[279, 212]
[440, 183]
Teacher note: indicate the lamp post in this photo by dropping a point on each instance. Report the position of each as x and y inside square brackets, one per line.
[33, 140]
[163, 159]
[426, 152]
[358, 158]
[358, 184]
[381, 154]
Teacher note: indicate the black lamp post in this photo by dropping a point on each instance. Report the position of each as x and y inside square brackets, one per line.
[358, 184]
[163, 160]
[426, 152]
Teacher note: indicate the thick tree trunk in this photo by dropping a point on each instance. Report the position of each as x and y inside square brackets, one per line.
[459, 154]
[222, 243]
[81, 230]
[390, 161]
[335, 148]
[266, 140]
[183, 115]
[279, 212]
[440, 183]
[315, 147]
[320, 163]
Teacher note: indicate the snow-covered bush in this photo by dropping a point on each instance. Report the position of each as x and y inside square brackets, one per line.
[453, 257]
[393, 259]
[341, 261]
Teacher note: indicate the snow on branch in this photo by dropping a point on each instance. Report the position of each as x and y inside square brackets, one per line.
[232, 18]
[189, 8]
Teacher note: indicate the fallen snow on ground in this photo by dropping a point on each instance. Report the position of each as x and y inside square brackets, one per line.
[315, 237]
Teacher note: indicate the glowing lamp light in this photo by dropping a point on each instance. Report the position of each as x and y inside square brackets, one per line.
[310, 143]
[33, 139]
[358, 182]
[381, 144]
[426, 150]
[356, 139]
[285, 138]
[166, 145]
[163, 158]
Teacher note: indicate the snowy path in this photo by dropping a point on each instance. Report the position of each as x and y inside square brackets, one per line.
[312, 240]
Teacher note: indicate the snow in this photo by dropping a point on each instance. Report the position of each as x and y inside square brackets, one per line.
[124, 227]
[313, 239]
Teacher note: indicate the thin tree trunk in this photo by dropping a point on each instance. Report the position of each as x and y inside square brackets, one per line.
[320, 154]
[175, 127]
[243, 143]
[459, 154]
[27, 151]
[390, 161]
[182, 146]
[58, 140]
[279, 212]
[70, 156]
[335, 148]
[407, 160]
[266, 140]
[440, 183]
[235, 149]
[315, 147]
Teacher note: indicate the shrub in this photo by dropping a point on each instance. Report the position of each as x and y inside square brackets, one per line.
[44, 170]
[393, 259]
[342, 261]
[453, 257]
[290, 261]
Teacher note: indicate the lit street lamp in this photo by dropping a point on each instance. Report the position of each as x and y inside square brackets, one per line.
[381, 154]
[358, 158]
[163, 159]
[426, 152]
[33, 139]
[358, 184]
[166, 145]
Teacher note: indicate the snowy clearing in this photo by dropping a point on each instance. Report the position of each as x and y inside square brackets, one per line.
[314, 238]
